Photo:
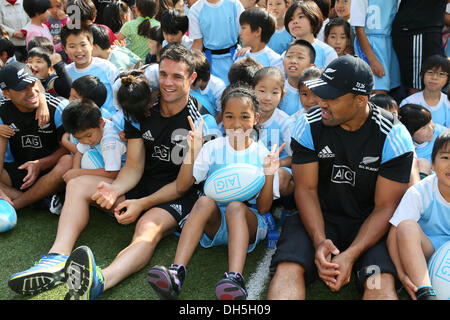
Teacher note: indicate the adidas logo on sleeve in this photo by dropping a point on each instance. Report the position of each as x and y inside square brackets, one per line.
[326, 153]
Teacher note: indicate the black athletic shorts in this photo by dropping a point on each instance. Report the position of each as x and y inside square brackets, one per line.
[412, 50]
[178, 208]
[295, 245]
[16, 175]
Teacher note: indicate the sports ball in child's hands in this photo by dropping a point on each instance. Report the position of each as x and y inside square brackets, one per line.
[439, 271]
[235, 182]
[8, 216]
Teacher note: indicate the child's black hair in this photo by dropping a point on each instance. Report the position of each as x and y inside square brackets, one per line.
[92, 88]
[259, 18]
[174, 21]
[243, 70]
[100, 36]
[134, 95]
[442, 142]
[112, 15]
[148, 9]
[384, 101]
[7, 46]
[155, 33]
[42, 42]
[304, 43]
[414, 117]
[88, 11]
[81, 115]
[269, 71]
[202, 66]
[238, 91]
[66, 32]
[435, 62]
[310, 10]
[34, 7]
[336, 22]
[41, 53]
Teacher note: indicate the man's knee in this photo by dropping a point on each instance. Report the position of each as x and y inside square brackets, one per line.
[288, 282]
[380, 287]
[64, 164]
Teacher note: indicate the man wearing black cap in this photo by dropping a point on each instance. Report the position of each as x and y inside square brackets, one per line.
[351, 165]
[32, 162]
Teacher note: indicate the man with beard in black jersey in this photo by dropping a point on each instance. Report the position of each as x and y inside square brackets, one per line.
[144, 191]
[351, 165]
[32, 161]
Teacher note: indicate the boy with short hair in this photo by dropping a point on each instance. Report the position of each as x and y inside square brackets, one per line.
[174, 25]
[257, 27]
[96, 137]
[299, 56]
[421, 224]
[243, 70]
[119, 56]
[51, 70]
[207, 85]
[78, 43]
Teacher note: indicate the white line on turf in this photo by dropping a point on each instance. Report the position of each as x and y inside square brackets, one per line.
[258, 279]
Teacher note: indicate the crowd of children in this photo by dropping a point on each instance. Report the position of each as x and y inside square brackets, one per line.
[254, 61]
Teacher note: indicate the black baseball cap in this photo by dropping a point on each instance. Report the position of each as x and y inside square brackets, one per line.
[346, 74]
[16, 76]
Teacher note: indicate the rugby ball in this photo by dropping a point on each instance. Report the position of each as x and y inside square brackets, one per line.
[92, 159]
[235, 182]
[8, 216]
[439, 271]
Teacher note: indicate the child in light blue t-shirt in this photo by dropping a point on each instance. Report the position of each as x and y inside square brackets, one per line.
[309, 11]
[281, 39]
[214, 27]
[421, 224]
[78, 43]
[372, 20]
[257, 27]
[434, 76]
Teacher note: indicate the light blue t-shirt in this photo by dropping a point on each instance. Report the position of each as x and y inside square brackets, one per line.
[280, 41]
[290, 103]
[267, 57]
[424, 203]
[324, 53]
[440, 113]
[213, 93]
[102, 69]
[425, 149]
[217, 24]
[277, 130]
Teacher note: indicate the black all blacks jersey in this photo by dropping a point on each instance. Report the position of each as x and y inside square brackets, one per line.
[350, 162]
[31, 142]
[164, 140]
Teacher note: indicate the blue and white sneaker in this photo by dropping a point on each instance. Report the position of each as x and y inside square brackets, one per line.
[47, 273]
[84, 279]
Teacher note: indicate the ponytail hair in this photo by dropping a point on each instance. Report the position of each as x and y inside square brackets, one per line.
[134, 95]
[148, 9]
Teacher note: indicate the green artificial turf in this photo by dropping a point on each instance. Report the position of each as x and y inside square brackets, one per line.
[36, 230]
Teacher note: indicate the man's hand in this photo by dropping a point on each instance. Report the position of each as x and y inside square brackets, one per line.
[33, 168]
[326, 268]
[105, 196]
[345, 262]
[128, 211]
